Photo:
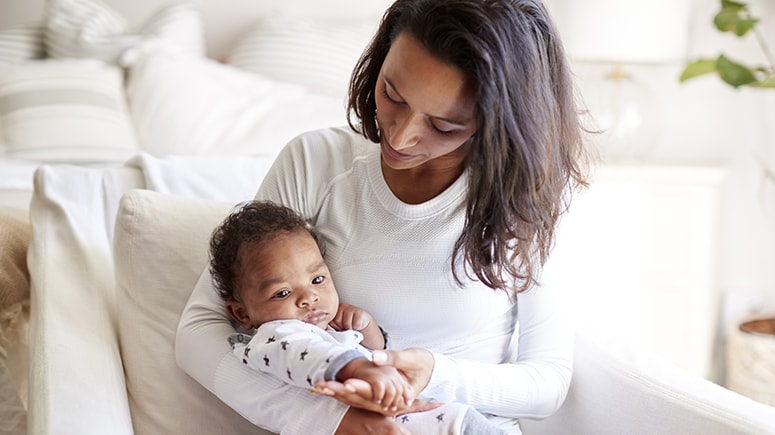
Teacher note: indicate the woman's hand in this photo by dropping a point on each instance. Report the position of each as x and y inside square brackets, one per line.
[359, 421]
[415, 365]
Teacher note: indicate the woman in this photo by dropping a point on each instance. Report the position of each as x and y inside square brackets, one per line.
[438, 208]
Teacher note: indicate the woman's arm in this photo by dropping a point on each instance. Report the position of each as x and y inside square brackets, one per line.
[535, 385]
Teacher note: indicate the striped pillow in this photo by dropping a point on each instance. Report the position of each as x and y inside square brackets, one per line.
[20, 43]
[65, 111]
[90, 29]
[318, 57]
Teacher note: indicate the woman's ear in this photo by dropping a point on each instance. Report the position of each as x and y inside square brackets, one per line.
[238, 312]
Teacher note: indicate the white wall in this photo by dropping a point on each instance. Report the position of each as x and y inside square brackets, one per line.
[708, 123]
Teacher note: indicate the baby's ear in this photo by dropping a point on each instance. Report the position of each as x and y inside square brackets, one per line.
[238, 312]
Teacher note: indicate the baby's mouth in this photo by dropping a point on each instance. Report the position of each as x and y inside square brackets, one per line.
[315, 317]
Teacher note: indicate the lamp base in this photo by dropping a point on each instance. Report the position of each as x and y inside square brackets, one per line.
[625, 111]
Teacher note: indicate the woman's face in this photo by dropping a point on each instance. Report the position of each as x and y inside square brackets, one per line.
[425, 109]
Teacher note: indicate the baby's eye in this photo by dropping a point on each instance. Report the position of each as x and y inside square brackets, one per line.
[318, 279]
[282, 294]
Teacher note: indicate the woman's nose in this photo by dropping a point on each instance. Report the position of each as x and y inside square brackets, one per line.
[405, 132]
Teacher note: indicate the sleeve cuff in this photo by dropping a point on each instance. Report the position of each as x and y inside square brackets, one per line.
[442, 383]
[339, 362]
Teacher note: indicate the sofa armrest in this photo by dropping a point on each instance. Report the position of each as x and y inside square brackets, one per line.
[642, 394]
[76, 375]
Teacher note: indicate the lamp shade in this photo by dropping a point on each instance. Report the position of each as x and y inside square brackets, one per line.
[623, 31]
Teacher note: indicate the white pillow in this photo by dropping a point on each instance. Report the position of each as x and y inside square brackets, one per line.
[65, 111]
[186, 105]
[160, 250]
[22, 42]
[90, 29]
[314, 55]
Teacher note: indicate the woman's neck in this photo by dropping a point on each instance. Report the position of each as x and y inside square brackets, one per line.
[418, 185]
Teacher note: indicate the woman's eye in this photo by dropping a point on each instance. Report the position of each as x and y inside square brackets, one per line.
[282, 294]
[440, 131]
[389, 98]
[318, 279]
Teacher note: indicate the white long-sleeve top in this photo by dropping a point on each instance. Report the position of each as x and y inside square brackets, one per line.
[393, 260]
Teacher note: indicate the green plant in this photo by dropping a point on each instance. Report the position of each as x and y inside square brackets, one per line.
[735, 17]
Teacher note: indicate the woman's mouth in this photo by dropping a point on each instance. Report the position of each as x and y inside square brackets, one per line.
[393, 153]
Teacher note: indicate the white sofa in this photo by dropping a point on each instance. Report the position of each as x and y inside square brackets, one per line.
[105, 309]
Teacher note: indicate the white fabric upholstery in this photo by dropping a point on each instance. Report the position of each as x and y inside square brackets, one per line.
[192, 105]
[315, 55]
[161, 249]
[65, 111]
[83, 385]
[639, 394]
[76, 373]
[91, 29]
[21, 42]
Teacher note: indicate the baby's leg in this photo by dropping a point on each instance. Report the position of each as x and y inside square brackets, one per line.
[450, 418]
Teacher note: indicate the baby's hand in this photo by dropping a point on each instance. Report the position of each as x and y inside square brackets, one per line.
[352, 317]
[382, 386]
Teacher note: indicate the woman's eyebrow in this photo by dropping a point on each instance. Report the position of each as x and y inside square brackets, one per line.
[440, 118]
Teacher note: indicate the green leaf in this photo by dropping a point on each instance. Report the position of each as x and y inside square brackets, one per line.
[732, 4]
[734, 73]
[697, 68]
[734, 17]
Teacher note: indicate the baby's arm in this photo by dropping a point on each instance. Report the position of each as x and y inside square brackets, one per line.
[358, 319]
[294, 352]
[304, 355]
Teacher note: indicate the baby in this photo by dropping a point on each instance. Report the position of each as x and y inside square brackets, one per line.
[267, 266]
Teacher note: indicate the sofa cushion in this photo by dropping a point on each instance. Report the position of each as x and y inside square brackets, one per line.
[91, 29]
[315, 55]
[160, 250]
[226, 110]
[58, 110]
[21, 43]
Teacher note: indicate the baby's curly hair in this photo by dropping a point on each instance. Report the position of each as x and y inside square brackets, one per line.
[254, 223]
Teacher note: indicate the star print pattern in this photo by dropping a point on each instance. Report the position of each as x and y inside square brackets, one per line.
[298, 353]
[446, 419]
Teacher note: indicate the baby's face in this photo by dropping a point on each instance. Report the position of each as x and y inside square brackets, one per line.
[284, 278]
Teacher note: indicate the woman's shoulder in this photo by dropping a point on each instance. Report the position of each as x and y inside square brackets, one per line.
[304, 171]
[331, 144]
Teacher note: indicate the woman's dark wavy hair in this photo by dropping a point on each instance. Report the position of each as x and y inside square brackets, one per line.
[254, 223]
[527, 154]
